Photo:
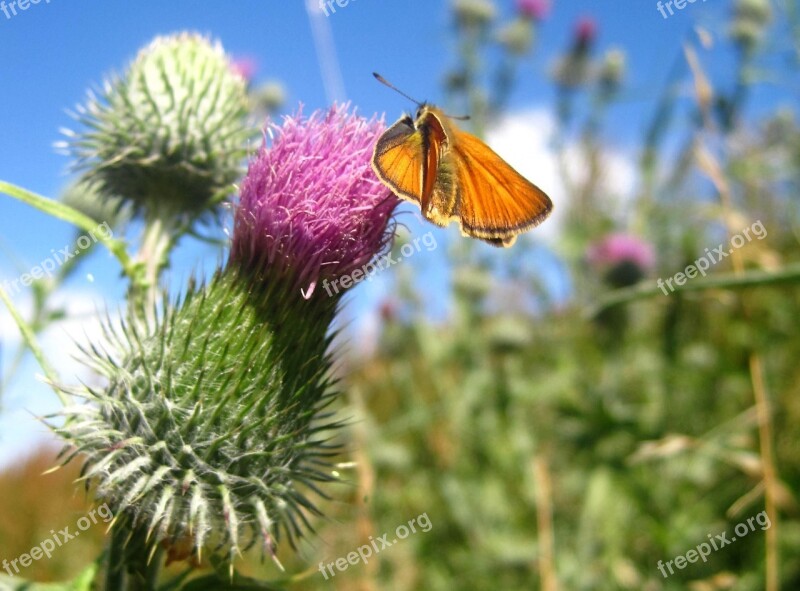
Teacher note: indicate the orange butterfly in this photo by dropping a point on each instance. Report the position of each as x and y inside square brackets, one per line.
[452, 175]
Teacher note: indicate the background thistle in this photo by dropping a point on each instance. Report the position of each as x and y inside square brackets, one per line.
[169, 135]
[167, 139]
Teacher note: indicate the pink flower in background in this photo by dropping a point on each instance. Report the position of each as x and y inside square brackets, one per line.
[622, 259]
[617, 248]
[311, 207]
[245, 67]
[534, 9]
[585, 31]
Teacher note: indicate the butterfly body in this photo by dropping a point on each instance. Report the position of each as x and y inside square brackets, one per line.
[453, 176]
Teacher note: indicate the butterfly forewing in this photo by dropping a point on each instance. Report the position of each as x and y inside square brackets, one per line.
[399, 160]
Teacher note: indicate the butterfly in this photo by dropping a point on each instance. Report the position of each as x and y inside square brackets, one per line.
[453, 176]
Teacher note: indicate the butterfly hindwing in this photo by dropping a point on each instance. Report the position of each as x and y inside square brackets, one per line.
[495, 202]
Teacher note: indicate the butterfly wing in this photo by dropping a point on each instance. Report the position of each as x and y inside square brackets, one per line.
[407, 159]
[399, 159]
[495, 202]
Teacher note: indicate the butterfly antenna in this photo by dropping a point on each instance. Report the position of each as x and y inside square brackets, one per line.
[384, 81]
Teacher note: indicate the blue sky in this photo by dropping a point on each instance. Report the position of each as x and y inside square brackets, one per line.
[53, 51]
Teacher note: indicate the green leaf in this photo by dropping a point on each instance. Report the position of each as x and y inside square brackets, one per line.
[68, 214]
[30, 339]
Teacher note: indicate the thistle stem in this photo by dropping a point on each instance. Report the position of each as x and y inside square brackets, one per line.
[741, 280]
[152, 258]
[115, 568]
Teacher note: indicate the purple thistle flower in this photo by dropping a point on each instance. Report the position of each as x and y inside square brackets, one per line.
[617, 248]
[311, 207]
[245, 67]
[534, 9]
[585, 31]
[624, 258]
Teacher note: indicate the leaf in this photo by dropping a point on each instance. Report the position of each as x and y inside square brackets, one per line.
[65, 212]
[30, 339]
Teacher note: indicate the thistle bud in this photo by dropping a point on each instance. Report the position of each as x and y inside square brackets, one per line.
[169, 134]
[474, 13]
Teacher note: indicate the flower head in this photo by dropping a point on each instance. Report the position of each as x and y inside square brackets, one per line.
[474, 13]
[612, 70]
[311, 208]
[585, 31]
[534, 9]
[624, 259]
[245, 67]
[574, 69]
[749, 22]
[616, 248]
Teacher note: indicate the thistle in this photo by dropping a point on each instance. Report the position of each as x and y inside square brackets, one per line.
[211, 433]
[621, 259]
[474, 13]
[169, 135]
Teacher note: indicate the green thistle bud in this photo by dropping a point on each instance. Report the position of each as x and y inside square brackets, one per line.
[517, 36]
[749, 23]
[474, 12]
[758, 11]
[612, 70]
[169, 135]
[269, 97]
[209, 429]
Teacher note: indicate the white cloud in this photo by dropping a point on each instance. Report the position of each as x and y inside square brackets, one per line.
[28, 397]
[524, 140]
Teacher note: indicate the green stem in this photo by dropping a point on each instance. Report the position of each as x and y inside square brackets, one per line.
[115, 568]
[33, 344]
[648, 289]
[154, 570]
[153, 257]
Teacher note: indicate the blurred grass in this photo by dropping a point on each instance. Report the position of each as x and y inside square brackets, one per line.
[35, 504]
